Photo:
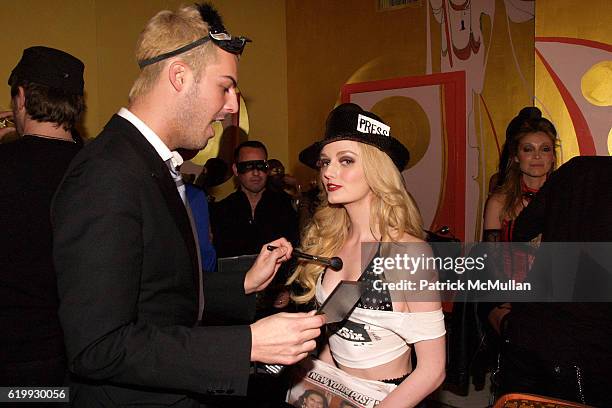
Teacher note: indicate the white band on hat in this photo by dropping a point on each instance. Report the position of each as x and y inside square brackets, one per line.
[372, 126]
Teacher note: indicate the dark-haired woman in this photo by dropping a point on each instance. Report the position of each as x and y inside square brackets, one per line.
[527, 113]
[530, 158]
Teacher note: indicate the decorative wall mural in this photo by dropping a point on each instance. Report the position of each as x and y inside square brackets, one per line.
[582, 73]
[427, 114]
[490, 41]
[464, 47]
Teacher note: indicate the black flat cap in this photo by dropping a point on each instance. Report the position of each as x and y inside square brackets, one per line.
[50, 67]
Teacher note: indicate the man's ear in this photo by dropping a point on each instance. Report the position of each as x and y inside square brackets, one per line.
[235, 170]
[19, 99]
[178, 75]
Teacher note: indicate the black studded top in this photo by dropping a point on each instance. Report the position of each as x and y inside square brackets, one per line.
[374, 299]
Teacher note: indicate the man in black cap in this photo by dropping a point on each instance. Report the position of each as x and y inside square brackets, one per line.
[47, 102]
[129, 277]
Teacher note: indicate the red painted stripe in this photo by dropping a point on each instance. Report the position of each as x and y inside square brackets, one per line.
[491, 123]
[576, 41]
[583, 133]
[449, 48]
[442, 78]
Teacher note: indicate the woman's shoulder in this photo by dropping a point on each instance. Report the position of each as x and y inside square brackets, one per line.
[495, 204]
[405, 244]
[494, 208]
[409, 238]
[497, 199]
[404, 237]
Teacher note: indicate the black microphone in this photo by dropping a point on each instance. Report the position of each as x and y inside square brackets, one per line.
[334, 263]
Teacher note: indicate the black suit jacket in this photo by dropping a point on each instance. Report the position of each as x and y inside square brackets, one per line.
[574, 205]
[128, 283]
[235, 230]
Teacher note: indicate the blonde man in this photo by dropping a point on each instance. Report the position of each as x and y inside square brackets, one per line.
[128, 272]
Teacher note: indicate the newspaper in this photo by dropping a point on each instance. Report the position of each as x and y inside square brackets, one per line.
[316, 383]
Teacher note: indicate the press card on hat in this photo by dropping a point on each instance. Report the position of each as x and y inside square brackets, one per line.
[369, 125]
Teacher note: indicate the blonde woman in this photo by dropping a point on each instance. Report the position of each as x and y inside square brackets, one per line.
[365, 201]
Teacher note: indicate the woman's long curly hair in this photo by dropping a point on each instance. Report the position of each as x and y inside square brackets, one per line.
[529, 121]
[393, 213]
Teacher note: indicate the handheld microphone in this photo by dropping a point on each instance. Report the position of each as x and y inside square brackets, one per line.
[334, 263]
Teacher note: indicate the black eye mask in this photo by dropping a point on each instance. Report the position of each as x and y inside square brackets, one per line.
[249, 165]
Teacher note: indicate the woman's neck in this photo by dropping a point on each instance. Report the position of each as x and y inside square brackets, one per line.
[359, 214]
[533, 183]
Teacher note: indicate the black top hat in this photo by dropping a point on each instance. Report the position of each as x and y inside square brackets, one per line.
[48, 66]
[349, 122]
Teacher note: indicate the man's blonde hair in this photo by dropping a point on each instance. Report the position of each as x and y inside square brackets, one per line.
[165, 32]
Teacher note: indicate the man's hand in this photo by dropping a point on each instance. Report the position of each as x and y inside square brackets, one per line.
[266, 265]
[5, 128]
[285, 338]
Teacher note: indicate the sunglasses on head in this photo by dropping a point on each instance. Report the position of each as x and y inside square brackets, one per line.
[220, 37]
[250, 165]
[233, 45]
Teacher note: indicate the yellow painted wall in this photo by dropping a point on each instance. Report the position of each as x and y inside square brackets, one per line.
[69, 26]
[590, 20]
[103, 33]
[327, 42]
[263, 68]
